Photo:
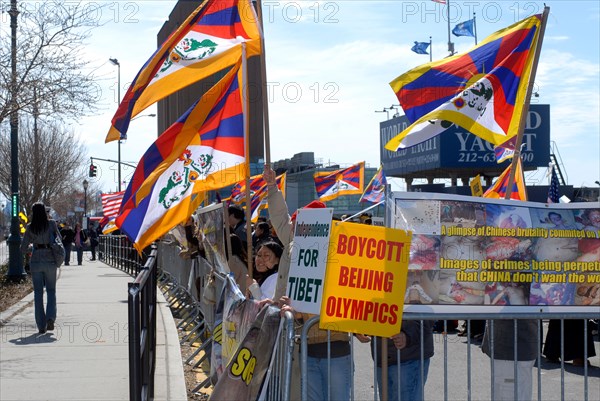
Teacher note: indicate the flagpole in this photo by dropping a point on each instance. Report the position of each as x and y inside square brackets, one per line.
[475, 27]
[264, 91]
[450, 44]
[247, 150]
[536, 57]
[430, 50]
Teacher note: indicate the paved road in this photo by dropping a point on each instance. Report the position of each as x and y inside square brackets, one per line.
[480, 374]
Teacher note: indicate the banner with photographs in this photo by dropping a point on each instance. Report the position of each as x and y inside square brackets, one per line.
[477, 251]
[210, 223]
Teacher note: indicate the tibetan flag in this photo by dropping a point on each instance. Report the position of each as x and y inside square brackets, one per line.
[258, 200]
[257, 182]
[171, 143]
[505, 150]
[465, 28]
[553, 190]
[498, 189]
[208, 41]
[482, 91]
[204, 150]
[238, 192]
[347, 181]
[375, 191]
[420, 47]
[111, 203]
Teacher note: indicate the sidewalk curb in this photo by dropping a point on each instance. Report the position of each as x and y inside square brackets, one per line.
[17, 308]
[169, 379]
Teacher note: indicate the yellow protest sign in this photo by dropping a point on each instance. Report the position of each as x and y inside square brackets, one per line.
[365, 279]
[476, 189]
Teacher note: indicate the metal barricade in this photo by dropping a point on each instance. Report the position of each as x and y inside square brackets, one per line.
[142, 331]
[117, 251]
[463, 374]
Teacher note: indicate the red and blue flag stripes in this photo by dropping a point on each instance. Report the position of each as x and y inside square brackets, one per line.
[348, 181]
[375, 191]
[208, 41]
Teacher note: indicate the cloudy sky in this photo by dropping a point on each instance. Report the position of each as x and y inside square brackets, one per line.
[329, 65]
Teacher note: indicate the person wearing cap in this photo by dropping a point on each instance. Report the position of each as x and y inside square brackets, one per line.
[319, 377]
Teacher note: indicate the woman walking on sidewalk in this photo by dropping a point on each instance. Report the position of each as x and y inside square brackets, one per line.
[41, 233]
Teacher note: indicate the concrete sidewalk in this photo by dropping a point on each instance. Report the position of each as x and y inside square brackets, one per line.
[86, 356]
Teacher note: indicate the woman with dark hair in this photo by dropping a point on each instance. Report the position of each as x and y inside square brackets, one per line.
[265, 269]
[41, 232]
[238, 262]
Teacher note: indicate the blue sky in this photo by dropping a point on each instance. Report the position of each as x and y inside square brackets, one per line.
[329, 65]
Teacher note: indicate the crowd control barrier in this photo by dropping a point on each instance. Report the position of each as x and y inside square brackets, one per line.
[459, 371]
[117, 251]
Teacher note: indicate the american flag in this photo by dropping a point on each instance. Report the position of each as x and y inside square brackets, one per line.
[553, 191]
[111, 203]
[439, 1]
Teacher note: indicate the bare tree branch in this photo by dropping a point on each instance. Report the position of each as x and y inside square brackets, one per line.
[51, 39]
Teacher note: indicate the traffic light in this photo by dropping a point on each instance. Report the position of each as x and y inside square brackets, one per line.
[93, 170]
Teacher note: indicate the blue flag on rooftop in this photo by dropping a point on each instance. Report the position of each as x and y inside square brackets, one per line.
[464, 28]
[420, 47]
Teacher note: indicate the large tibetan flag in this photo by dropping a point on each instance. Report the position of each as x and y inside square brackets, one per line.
[375, 191]
[208, 41]
[204, 150]
[498, 189]
[482, 91]
[347, 181]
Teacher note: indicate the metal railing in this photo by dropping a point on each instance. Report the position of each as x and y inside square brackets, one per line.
[142, 331]
[118, 252]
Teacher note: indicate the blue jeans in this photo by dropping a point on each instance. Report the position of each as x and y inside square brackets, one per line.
[318, 378]
[79, 250]
[44, 275]
[410, 380]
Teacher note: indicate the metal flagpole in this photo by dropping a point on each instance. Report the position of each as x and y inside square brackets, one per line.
[475, 28]
[430, 50]
[264, 92]
[247, 150]
[517, 154]
[450, 44]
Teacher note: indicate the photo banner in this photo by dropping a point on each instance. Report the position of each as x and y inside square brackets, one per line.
[365, 279]
[309, 259]
[497, 253]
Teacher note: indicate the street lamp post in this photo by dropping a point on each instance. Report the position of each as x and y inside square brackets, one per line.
[114, 61]
[15, 271]
[85, 187]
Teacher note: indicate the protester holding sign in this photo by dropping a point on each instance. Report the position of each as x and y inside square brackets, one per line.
[267, 259]
[340, 363]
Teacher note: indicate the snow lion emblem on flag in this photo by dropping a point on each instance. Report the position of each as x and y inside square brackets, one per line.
[180, 181]
[189, 49]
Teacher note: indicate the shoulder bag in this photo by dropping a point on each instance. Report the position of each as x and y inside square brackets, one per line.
[58, 250]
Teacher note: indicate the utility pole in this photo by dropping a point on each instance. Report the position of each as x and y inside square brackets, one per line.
[15, 259]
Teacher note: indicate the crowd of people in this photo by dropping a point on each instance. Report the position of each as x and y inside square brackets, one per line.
[330, 365]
